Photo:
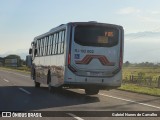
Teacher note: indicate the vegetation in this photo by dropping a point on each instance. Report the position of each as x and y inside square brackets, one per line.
[140, 89]
[6, 61]
[141, 70]
[144, 70]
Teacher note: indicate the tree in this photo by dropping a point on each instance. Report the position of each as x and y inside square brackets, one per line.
[14, 57]
[127, 63]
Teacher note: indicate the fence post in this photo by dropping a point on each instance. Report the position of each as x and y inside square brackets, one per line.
[150, 81]
[131, 78]
[159, 82]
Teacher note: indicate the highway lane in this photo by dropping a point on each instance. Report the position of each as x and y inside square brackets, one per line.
[18, 94]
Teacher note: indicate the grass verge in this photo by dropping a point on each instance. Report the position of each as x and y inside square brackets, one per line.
[18, 69]
[140, 89]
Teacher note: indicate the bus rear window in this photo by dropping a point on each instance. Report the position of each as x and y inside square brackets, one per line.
[96, 36]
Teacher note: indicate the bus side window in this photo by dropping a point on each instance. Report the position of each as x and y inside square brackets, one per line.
[46, 45]
[56, 47]
[62, 44]
[59, 42]
[49, 44]
[42, 46]
[53, 43]
[37, 47]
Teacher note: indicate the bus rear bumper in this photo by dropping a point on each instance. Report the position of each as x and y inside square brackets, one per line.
[98, 82]
[90, 85]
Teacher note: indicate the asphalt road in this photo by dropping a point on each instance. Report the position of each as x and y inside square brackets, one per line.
[17, 93]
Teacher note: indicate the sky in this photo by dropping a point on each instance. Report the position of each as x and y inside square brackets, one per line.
[22, 20]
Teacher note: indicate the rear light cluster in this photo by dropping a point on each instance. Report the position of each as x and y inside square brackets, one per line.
[69, 63]
[69, 54]
[69, 58]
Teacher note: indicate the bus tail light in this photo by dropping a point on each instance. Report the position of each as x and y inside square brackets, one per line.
[69, 63]
[69, 54]
[69, 59]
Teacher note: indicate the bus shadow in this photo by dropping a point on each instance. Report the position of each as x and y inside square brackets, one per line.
[13, 98]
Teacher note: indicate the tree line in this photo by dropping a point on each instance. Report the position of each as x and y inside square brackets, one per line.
[142, 64]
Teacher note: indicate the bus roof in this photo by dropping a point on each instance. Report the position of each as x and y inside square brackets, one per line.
[76, 23]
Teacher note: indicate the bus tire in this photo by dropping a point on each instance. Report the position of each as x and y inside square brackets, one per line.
[34, 74]
[91, 91]
[36, 84]
[51, 88]
[48, 77]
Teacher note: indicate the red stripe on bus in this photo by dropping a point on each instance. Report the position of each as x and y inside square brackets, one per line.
[88, 58]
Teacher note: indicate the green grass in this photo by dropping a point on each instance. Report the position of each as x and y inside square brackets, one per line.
[153, 72]
[19, 69]
[139, 89]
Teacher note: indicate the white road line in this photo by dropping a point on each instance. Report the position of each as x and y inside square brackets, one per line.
[21, 75]
[24, 90]
[6, 80]
[76, 117]
[129, 101]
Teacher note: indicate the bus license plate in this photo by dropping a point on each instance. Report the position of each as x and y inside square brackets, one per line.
[95, 74]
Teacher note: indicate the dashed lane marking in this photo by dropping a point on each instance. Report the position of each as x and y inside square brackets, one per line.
[127, 100]
[6, 80]
[24, 90]
[130, 101]
[76, 117]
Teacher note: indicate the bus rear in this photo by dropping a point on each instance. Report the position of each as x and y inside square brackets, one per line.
[95, 56]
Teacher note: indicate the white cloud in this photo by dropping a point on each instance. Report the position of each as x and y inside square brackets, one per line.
[148, 19]
[155, 12]
[128, 10]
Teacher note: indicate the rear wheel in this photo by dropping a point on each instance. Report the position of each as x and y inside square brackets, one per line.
[36, 84]
[91, 91]
[51, 88]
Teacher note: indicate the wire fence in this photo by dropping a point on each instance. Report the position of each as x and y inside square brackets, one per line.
[142, 81]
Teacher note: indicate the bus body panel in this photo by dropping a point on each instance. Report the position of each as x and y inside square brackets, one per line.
[95, 57]
[57, 70]
[93, 71]
[51, 63]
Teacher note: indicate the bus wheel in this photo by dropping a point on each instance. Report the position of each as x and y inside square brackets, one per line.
[51, 88]
[36, 84]
[91, 91]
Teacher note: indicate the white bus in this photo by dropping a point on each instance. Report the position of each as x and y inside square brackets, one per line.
[86, 55]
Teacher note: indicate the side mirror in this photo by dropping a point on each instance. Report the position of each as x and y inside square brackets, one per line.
[28, 61]
[30, 51]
